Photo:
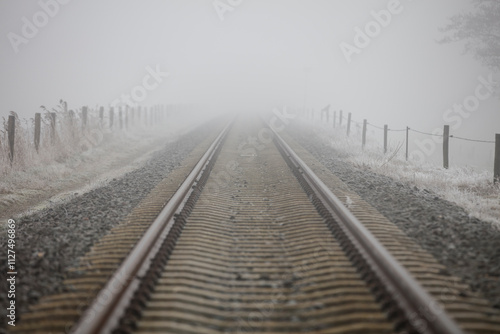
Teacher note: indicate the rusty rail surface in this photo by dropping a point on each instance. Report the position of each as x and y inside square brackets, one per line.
[105, 312]
[421, 310]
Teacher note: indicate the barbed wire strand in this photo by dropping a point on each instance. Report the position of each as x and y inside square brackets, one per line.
[421, 132]
[474, 140]
[375, 126]
[425, 133]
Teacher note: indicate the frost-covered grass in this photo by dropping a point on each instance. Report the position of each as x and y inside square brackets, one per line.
[471, 189]
[76, 158]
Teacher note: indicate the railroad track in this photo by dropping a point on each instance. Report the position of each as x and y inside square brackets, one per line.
[254, 241]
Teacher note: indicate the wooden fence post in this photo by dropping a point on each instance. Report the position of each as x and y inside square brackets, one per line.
[53, 127]
[407, 131]
[85, 112]
[11, 128]
[126, 117]
[101, 115]
[364, 133]
[139, 116]
[446, 146]
[38, 124]
[340, 118]
[386, 128]
[111, 116]
[326, 112]
[120, 116]
[71, 122]
[496, 173]
[348, 124]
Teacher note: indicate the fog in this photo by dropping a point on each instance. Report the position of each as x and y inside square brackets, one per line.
[246, 55]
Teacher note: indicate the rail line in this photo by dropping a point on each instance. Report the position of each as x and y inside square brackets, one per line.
[254, 241]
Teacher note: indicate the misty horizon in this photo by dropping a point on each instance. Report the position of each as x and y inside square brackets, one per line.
[247, 56]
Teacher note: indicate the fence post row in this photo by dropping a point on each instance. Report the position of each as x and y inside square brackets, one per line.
[446, 146]
[11, 128]
[446, 141]
[157, 113]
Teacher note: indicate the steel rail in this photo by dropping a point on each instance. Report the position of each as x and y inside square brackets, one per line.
[103, 315]
[422, 312]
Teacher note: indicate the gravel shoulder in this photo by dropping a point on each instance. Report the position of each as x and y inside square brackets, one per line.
[50, 241]
[24, 192]
[467, 246]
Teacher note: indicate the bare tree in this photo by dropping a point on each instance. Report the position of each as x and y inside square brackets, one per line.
[480, 30]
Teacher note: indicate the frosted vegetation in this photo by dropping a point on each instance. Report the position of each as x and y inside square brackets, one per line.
[77, 156]
[471, 189]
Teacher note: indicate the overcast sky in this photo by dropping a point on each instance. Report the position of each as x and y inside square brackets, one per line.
[251, 54]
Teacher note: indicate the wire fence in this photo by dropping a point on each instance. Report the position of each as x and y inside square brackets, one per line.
[58, 133]
[445, 136]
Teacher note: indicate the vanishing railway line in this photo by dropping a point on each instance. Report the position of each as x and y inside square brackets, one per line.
[254, 242]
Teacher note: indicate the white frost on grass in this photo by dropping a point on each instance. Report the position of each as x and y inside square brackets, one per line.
[468, 188]
[46, 182]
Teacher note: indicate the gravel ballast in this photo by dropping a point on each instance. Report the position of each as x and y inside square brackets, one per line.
[468, 247]
[50, 242]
